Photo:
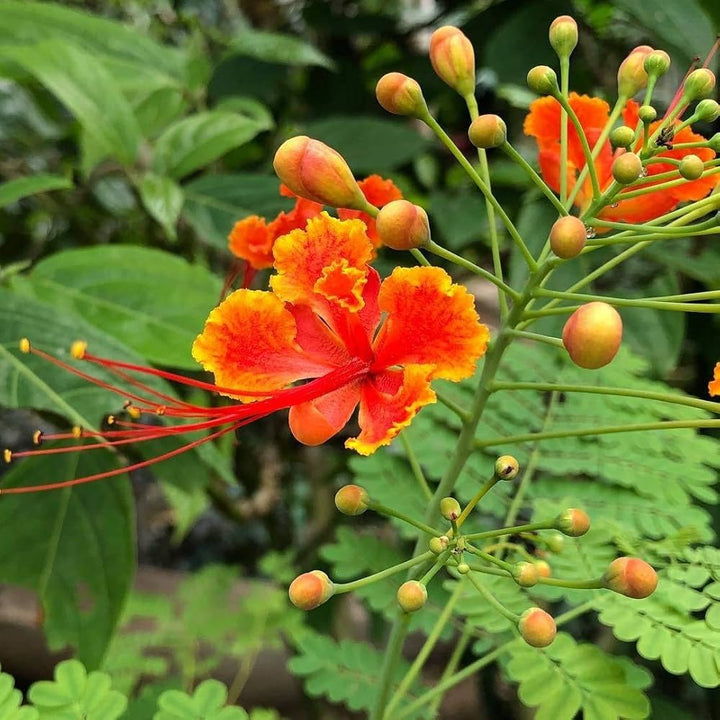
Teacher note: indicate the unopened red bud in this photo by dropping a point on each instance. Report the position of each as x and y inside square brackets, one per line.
[568, 236]
[463, 568]
[592, 335]
[401, 225]
[632, 76]
[525, 574]
[487, 131]
[707, 110]
[537, 627]
[453, 59]
[656, 63]
[543, 569]
[450, 508]
[400, 95]
[622, 136]
[573, 522]
[699, 84]
[439, 544]
[691, 167]
[543, 80]
[555, 543]
[315, 171]
[563, 35]
[506, 467]
[351, 500]
[631, 577]
[310, 589]
[627, 168]
[411, 596]
[647, 113]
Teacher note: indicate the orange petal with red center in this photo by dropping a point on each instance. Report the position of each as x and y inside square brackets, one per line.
[430, 321]
[342, 285]
[251, 240]
[316, 421]
[714, 384]
[389, 401]
[249, 343]
[378, 192]
[316, 339]
[302, 257]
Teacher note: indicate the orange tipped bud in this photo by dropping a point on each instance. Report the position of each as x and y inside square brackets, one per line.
[439, 544]
[568, 236]
[691, 167]
[311, 589]
[592, 335]
[627, 168]
[699, 84]
[525, 574]
[563, 35]
[632, 76]
[411, 596]
[315, 171]
[401, 225]
[506, 467]
[631, 577]
[537, 627]
[450, 508]
[487, 131]
[543, 569]
[543, 80]
[400, 95]
[351, 500]
[573, 522]
[622, 136]
[656, 63]
[453, 59]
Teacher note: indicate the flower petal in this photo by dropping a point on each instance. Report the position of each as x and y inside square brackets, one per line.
[389, 401]
[431, 321]
[251, 240]
[249, 343]
[714, 384]
[378, 192]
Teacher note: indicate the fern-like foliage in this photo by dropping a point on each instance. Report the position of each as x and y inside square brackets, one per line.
[11, 701]
[206, 703]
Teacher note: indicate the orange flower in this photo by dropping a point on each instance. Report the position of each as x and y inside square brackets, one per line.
[328, 323]
[378, 192]
[543, 123]
[714, 384]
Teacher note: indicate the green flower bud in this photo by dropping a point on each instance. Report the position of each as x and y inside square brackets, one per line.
[647, 113]
[622, 136]
[632, 76]
[714, 143]
[563, 35]
[555, 542]
[573, 522]
[699, 84]
[656, 63]
[351, 500]
[537, 627]
[691, 167]
[627, 168]
[543, 80]
[411, 596]
[463, 568]
[450, 508]
[439, 544]
[568, 236]
[525, 574]
[487, 131]
[506, 467]
[707, 110]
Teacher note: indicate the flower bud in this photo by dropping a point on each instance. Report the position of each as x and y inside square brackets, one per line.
[315, 171]
[453, 59]
[622, 136]
[568, 236]
[543, 80]
[450, 508]
[310, 589]
[714, 143]
[351, 500]
[400, 95]
[592, 335]
[543, 569]
[563, 35]
[631, 577]
[627, 168]
[656, 63]
[707, 110]
[537, 627]
[525, 574]
[573, 522]
[555, 543]
[632, 76]
[647, 113]
[439, 544]
[487, 131]
[463, 568]
[699, 84]
[506, 467]
[401, 225]
[411, 596]
[691, 167]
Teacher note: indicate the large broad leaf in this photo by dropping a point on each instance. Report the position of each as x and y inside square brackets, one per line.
[14, 190]
[369, 144]
[89, 91]
[277, 48]
[213, 204]
[154, 302]
[163, 199]
[193, 142]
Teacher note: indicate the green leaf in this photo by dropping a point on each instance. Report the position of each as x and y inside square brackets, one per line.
[460, 218]
[196, 141]
[369, 144]
[14, 190]
[214, 203]
[277, 48]
[11, 699]
[206, 703]
[151, 300]
[163, 199]
[89, 91]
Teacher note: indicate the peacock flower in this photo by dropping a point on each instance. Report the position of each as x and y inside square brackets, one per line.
[327, 338]
[543, 123]
[714, 384]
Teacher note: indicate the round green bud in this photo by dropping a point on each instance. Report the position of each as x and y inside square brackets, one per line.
[487, 131]
[537, 627]
[506, 467]
[543, 80]
[699, 84]
[525, 574]
[622, 136]
[463, 568]
[568, 236]
[714, 142]
[707, 110]
[657, 63]
[439, 544]
[563, 35]
[351, 500]
[627, 168]
[555, 542]
[647, 113]
[573, 522]
[411, 596]
[691, 167]
[450, 508]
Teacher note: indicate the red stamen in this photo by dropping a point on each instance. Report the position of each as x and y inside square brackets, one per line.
[681, 88]
[232, 274]
[712, 52]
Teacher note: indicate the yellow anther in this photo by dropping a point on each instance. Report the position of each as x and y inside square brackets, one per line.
[37, 437]
[77, 431]
[7, 455]
[110, 419]
[160, 410]
[133, 412]
[24, 346]
[78, 348]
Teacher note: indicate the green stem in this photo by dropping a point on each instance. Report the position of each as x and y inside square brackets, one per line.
[555, 342]
[388, 572]
[460, 646]
[507, 567]
[564, 88]
[391, 512]
[484, 490]
[492, 600]
[415, 467]
[461, 412]
[422, 260]
[392, 655]
[591, 584]
[526, 527]
[661, 186]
